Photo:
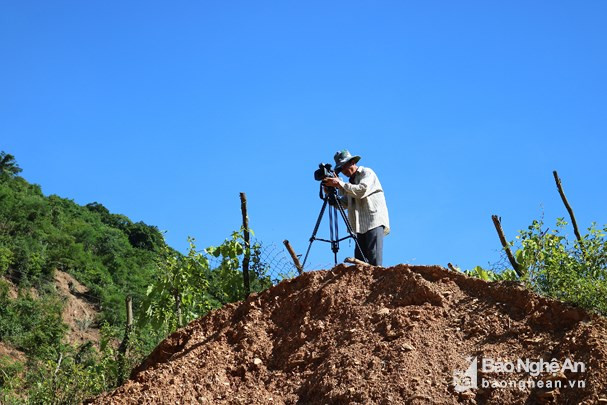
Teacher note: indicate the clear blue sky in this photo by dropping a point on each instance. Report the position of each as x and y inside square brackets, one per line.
[165, 111]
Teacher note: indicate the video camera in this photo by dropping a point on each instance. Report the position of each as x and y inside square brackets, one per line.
[324, 171]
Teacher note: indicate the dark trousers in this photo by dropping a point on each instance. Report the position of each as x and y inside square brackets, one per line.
[372, 245]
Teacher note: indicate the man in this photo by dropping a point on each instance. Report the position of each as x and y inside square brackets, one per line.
[364, 198]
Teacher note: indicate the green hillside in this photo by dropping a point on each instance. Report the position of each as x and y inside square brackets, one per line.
[113, 257]
[107, 252]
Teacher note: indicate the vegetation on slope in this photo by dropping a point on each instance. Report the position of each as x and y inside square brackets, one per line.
[113, 257]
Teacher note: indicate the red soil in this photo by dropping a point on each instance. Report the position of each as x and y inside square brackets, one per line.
[373, 335]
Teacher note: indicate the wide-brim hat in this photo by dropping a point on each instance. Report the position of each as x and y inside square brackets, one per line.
[342, 157]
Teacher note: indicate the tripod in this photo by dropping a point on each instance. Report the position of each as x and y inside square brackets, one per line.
[331, 198]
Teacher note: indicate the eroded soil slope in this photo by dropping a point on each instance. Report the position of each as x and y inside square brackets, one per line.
[373, 335]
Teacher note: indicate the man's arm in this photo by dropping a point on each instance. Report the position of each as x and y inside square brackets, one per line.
[368, 185]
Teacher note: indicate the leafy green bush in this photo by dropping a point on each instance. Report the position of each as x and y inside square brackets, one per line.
[179, 293]
[73, 374]
[6, 259]
[30, 324]
[554, 266]
[226, 280]
[490, 275]
[11, 380]
[186, 287]
[574, 272]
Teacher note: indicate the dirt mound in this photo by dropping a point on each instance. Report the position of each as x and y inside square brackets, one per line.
[376, 335]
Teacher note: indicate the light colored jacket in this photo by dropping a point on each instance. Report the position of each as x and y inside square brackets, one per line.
[364, 198]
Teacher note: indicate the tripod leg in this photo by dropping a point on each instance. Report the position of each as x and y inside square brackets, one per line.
[313, 237]
[333, 224]
[350, 230]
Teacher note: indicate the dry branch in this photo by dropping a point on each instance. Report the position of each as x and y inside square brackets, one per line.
[500, 232]
[557, 179]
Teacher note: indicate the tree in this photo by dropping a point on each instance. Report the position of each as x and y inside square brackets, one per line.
[186, 287]
[226, 280]
[179, 293]
[144, 236]
[8, 165]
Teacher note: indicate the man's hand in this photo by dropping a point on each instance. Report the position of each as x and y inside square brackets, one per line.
[333, 182]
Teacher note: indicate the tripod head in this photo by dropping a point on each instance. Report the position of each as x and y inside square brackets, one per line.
[329, 193]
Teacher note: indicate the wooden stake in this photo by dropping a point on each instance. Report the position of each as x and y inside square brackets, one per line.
[177, 297]
[247, 251]
[293, 257]
[500, 232]
[129, 325]
[129, 313]
[124, 345]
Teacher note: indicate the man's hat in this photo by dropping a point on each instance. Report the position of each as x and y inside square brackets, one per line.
[342, 157]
